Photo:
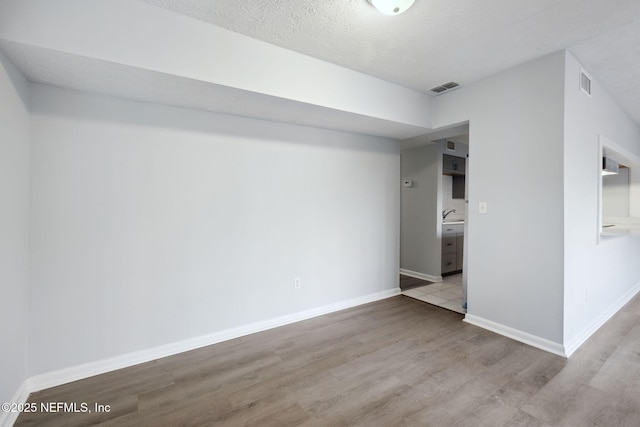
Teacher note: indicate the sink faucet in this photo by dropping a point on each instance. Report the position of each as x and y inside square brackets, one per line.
[446, 212]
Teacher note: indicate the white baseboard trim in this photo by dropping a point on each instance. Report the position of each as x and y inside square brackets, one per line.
[516, 334]
[591, 329]
[7, 419]
[74, 373]
[420, 275]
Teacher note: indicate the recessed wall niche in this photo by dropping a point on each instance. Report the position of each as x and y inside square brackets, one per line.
[619, 190]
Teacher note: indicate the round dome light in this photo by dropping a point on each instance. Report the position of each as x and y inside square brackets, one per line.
[392, 7]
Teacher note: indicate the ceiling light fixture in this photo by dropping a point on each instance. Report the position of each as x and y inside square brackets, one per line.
[392, 7]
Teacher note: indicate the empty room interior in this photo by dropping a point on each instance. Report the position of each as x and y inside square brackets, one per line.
[330, 212]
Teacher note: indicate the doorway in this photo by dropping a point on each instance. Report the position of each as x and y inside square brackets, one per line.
[433, 254]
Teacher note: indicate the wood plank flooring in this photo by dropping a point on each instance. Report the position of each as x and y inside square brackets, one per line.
[396, 362]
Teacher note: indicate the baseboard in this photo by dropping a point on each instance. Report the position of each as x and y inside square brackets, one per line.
[7, 419]
[591, 329]
[63, 376]
[516, 334]
[420, 275]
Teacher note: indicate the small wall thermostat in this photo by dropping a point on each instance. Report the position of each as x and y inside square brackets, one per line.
[407, 183]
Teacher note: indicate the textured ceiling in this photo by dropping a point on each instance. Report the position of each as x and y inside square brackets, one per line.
[438, 41]
[434, 42]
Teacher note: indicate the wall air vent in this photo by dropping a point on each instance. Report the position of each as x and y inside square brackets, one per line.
[451, 145]
[585, 83]
[444, 88]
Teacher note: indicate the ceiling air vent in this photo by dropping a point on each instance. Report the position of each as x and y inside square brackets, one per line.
[585, 83]
[445, 87]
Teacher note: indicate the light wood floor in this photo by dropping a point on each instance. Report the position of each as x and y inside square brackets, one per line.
[397, 362]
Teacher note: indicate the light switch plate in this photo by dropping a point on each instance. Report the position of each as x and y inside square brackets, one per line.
[482, 207]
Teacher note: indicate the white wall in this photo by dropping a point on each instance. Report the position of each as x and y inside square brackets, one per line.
[154, 224]
[515, 255]
[14, 231]
[134, 34]
[597, 276]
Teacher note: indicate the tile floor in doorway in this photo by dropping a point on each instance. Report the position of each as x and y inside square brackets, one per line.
[446, 294]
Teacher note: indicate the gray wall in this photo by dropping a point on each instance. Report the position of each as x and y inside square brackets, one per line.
[535, 268]
[154, 224]
[421, 211]
[515, 251]
[422, 205]
[14, 227]
[598, 276]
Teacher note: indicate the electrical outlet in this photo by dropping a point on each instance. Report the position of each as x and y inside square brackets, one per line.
[297, 283]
